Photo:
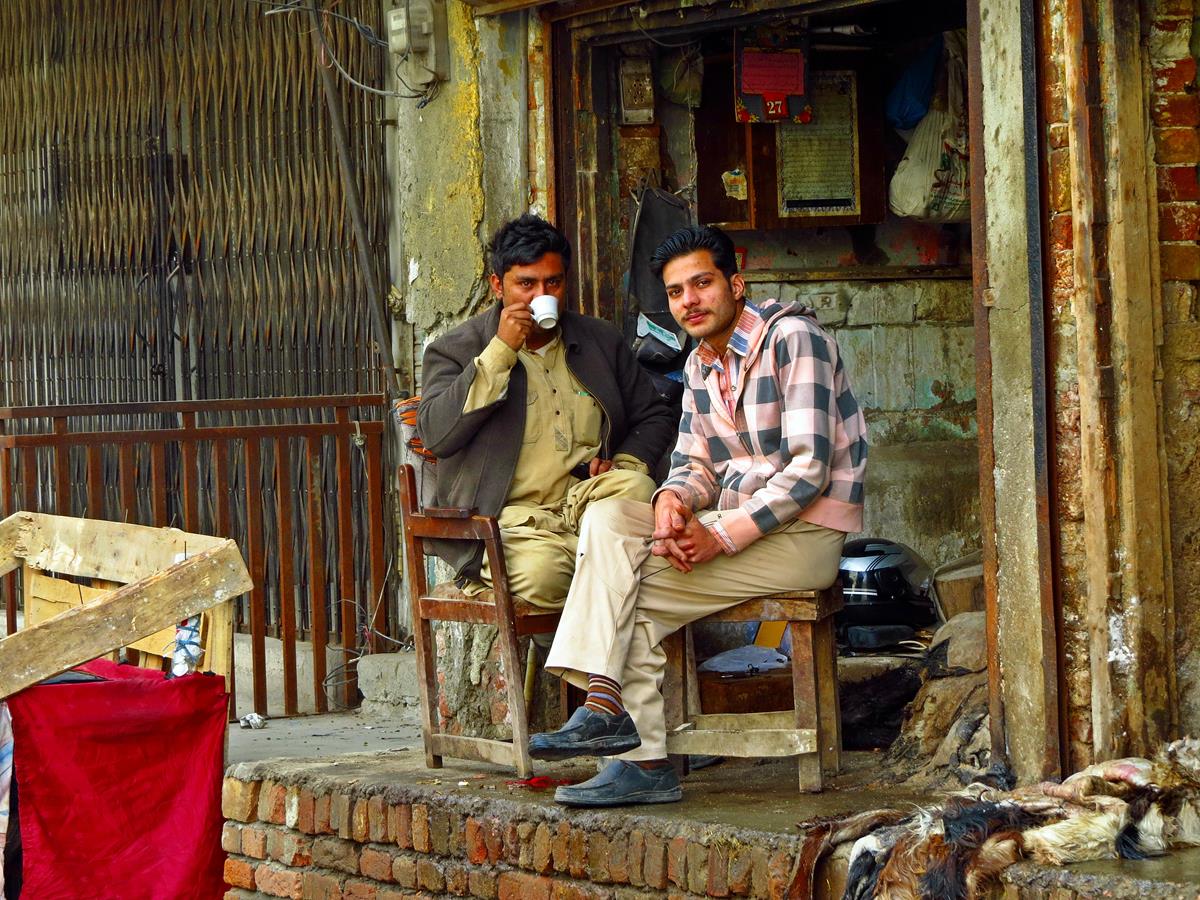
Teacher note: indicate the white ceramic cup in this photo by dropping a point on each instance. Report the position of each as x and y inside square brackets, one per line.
[545, 310]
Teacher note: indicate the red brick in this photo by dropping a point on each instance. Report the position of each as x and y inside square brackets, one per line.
[305, 811]
[340, 808]
[1176, 145]
[1175, 183]
[482, 884]
[654, 864]
[677, 861]
[618, 858]
[741, 864]
[1175, 109]
[254, 842]
[278, 881]
[525, 844]
[1060, 181]
[375, 864]
[387, 894]
[439, 831]
[420, 828]
[320, 886]
[456, 881]
[377, 825]
[359, 890]
[360, 820]
[697, 867]
[493, 836]
[718, 871]
[334, 853]
[271, 802]
[521, 886]
[429, 876]
[289, 848]
[1177, 75]
[1061, 235]
[321, 810]
[239, 872]
[779, 874]
[566, 890]
[231, 837]
[1179, 262]
[476, 846]
[577, 863]
[759, 871]
[1178, 221]
[542, 861]
[598, 857]
[1059, 136]
[403, 826]
[239, 799]
[636, 854]
[560, 853]
[404, 871]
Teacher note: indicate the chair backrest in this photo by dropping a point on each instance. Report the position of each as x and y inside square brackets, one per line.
[413, 452]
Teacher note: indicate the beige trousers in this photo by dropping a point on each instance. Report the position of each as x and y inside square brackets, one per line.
[624, 601]
[540, 541]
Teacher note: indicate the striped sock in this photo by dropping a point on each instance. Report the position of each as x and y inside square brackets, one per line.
[604, 696]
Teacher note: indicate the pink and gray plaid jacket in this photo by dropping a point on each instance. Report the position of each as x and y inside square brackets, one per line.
[772, 430]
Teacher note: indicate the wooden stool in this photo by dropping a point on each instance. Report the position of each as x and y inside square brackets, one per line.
[812, 731]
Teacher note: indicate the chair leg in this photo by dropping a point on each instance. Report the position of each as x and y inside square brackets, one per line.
[804, 691]
[511, 657]
[674, 691]
[829, 712]
[427, 686]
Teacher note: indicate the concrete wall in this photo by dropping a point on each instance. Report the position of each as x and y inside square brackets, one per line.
[908, 348]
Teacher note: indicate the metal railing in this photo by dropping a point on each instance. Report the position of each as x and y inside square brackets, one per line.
[296, 481]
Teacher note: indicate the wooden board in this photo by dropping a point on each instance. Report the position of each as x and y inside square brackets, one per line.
[128, 614]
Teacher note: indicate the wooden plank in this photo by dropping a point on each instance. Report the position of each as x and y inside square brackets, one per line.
[29, 479]
[258, 598]
[744, 743]
[1095, 443]
[127, 614]
[501, 753]
[95, 482]
[218, 655]
[347, 608]
[164, 436]
[828, 709]
[287, 573]
[46, 597]
[804, 692]
[13, 538]
[114, 551]
[1152, 708]
[318, 626]
[758, 721]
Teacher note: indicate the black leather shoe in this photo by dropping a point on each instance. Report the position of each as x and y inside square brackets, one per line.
[587, 733]
[623, 783]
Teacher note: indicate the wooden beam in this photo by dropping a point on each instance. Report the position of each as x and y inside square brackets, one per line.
[139, 609]
[12, 533]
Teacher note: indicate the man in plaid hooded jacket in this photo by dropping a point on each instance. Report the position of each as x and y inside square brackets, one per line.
[766, 480]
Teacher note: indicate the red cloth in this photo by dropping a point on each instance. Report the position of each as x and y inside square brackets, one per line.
[119, 785]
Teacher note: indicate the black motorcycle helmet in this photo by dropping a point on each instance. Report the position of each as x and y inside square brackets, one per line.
[885, 583]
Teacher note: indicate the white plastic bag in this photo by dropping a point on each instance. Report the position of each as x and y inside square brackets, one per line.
[932, 182]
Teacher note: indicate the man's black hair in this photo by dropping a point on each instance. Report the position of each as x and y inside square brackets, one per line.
[692, 238]
[524, 241]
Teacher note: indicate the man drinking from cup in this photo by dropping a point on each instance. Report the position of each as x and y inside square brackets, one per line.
[533, 412]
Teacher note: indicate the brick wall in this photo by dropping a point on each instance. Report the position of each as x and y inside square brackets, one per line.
[1175, 112]
[337, 842]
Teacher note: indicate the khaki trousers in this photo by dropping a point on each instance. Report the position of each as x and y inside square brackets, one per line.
[540, 541]
[623, 601]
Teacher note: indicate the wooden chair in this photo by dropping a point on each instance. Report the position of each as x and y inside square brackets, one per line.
[811, 731]
[445, 602]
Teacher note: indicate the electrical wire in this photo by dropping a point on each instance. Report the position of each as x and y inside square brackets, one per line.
[633, 16]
